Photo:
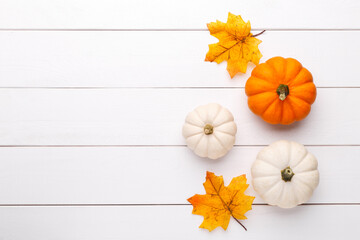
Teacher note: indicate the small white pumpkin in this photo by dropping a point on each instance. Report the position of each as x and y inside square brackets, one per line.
[285, 174]
[210, 131]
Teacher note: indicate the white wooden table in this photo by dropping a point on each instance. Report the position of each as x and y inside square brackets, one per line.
[93, 95]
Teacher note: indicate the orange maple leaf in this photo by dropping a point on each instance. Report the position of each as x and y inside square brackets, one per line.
[220, 202]
[236, 44]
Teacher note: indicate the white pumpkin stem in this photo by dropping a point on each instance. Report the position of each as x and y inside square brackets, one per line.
[287, 174]
[208, 129]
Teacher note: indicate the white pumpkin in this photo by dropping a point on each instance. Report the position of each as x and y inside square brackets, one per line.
[285, 174]
[210, 131]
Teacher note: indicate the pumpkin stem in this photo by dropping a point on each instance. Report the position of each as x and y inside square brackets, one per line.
[287, 174]
[282, 91]
[258, 34]
[208, 129]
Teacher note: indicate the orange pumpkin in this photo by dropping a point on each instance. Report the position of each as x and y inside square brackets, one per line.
[280, 91]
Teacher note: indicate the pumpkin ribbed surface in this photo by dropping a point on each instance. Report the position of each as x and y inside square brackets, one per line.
[285, 174]
[280, 90]
[210, 131]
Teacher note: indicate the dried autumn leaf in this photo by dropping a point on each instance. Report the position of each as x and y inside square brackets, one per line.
[220, 202]
[236, 44]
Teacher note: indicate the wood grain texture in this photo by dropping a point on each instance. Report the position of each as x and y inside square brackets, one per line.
[174, 222]
[150, 175]
[158, 14]
[156, 116]
[162, 59]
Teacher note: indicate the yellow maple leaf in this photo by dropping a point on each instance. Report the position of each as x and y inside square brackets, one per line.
[236, 44]
[220, 202]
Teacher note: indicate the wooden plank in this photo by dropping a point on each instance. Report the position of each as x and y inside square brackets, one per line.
[156, 116]
[174, 222]
[162, 59]
[158, 14]
[149, 175]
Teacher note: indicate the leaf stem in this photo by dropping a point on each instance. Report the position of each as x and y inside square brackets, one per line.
[258, 33]
[238, 221]
[225, 205]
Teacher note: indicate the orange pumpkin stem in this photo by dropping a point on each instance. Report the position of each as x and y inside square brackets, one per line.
[282, 91]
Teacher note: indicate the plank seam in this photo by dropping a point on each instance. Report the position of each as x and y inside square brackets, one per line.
[166, 29]
[154, 205]
[90, 88]
[159, 146]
